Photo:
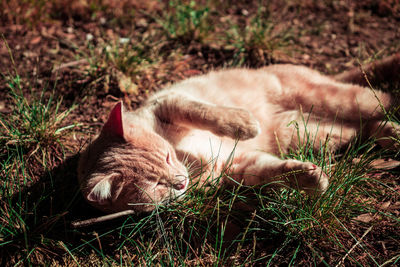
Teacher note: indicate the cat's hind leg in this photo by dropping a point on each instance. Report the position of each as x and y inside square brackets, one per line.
[332, 135]
[335, 135]
[345, 101]
[296, 130]
[260, 168]
[386, 69]
[309, 90]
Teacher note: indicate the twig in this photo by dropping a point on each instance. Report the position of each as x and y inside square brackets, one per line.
[77, 224]
[353, 247]
[70, 64]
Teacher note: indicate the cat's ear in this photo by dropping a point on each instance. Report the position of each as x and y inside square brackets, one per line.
[107, 188]
[114, 124]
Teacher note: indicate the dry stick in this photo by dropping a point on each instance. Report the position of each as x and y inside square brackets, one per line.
[77, 224]
[70, 64]
[353, 247]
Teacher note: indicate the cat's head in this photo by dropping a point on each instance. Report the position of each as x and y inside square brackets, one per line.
[130, 166]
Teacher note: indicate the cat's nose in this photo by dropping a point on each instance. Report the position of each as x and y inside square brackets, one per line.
[181, 185]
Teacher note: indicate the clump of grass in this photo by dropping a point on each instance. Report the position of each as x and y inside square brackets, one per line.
[185, 21]
[35, 126]
[31, 141]
[330, 219]
[258, 42]
[121, 63]
[130, 63]
[127, 57]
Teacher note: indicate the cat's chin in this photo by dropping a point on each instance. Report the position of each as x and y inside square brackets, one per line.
[178, 194]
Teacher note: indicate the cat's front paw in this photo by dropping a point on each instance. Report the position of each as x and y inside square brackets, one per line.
[238, 124]
[306, 176]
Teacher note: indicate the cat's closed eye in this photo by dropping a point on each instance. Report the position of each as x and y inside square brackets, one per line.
[162, 183]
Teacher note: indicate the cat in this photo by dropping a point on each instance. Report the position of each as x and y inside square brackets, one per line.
[229, 125]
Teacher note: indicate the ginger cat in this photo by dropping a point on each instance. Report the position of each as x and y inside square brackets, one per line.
[143, 158]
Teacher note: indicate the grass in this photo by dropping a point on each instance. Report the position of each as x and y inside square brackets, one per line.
[119, 60]
[34, 128]
[259, 41]
[210, 226]
[32, 140]
[186, 21]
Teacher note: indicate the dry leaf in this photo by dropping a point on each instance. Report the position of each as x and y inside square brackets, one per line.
[126, 85]
[385, 205]
[4, 108]
[381, 164]
[365, 218]
[395, 206]
[36, 40]
[386, 164]
[29, 54]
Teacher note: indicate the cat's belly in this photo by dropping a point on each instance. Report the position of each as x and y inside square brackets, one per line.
[208, 155]
[206, 146]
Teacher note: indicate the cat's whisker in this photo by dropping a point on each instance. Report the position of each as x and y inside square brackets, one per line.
[185, 159]
[189, 165]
